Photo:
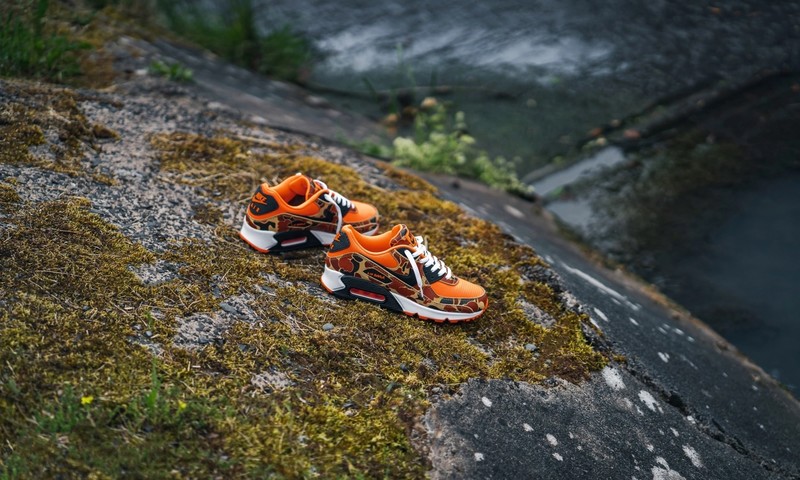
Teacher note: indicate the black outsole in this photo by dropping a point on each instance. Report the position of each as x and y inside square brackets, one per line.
[388, 303]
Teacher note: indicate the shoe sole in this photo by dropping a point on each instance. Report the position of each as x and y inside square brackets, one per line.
[276, 242]
[353, 288]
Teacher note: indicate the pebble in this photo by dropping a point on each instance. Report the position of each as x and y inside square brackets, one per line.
[530, 347]
[327, 327]
[148, 333]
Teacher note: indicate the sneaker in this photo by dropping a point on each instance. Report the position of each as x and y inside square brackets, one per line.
[301, 212]
[395, 270]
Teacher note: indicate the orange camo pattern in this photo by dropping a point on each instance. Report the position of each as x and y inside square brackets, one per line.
[359, 266]
[323, 221]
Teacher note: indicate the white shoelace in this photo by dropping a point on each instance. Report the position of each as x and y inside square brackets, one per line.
[428, 260]
[338, 200]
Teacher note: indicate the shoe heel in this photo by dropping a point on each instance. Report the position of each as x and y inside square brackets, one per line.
[258, 239]
[352, 288]
[332, 280]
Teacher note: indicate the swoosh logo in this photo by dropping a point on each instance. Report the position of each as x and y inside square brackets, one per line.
[409, 279]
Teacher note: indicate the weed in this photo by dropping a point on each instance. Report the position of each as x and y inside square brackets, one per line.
[29, 49]
[153, 407]
[441, 144]
[173, 71]
[62, 415]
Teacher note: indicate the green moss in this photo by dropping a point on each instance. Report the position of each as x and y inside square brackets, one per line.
[70, 308]
[208, 213]
[103, 132]
[8, 197]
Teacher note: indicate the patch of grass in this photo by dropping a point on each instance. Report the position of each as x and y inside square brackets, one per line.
[29, 48]
[173, 71]
[232, 33]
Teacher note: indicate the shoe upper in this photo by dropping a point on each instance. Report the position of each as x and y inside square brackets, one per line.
[302, 203]
[400, 262]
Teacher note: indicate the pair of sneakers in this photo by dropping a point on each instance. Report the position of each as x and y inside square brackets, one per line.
[394, 270]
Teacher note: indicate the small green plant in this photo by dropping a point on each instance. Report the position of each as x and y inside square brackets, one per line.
[371, 148]
[173, 71]
[441, 144]
[62, 415]
[29, 49]
[154, 407]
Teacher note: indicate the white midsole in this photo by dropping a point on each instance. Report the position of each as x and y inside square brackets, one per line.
[260, 239]
[410, 306]
[332, 280]
[265, 240]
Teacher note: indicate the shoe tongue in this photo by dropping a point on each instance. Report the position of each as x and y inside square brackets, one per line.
[304, 185]
[403, 237]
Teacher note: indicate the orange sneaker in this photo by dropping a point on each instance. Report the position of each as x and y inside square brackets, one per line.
[395, 270]
[301, 212]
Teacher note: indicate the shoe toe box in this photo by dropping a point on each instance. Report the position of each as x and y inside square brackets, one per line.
[363, 213]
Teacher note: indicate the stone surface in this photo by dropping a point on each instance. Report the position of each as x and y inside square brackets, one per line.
[677, 372]
[567, 431]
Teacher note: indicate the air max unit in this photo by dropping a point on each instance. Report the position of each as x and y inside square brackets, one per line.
[302, 212]
[395, 270]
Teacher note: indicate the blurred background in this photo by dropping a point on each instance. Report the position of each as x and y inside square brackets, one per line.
[664, 134]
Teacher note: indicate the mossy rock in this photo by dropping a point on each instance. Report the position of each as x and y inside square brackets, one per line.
[47, 117]
[93, 383]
